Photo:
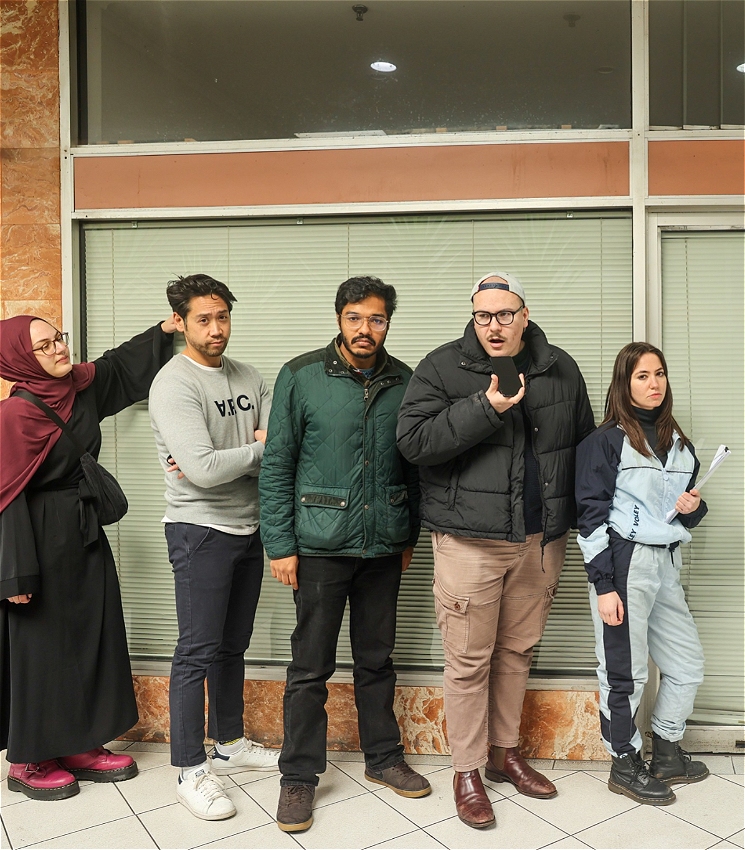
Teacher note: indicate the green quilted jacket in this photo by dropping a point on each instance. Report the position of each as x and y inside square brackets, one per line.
[332, 479]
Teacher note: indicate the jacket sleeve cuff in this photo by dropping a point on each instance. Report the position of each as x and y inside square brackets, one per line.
[693, 519]
[604, 585]
[19, 585]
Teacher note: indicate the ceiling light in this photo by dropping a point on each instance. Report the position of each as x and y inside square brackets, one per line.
[741, 68]
[383, 67]
[605, 70]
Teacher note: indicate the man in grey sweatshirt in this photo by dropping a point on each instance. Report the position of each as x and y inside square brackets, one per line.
[209, 415]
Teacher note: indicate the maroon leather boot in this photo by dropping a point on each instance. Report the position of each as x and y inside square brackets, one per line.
[473, 806]
[505, 764]
[43, 780]
[100, 765]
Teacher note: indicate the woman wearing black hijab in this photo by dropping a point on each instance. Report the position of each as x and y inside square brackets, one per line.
[66, 678]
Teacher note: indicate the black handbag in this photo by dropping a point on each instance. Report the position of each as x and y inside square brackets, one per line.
[108, 497]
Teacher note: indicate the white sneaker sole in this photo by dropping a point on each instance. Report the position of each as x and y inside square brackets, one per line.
[201, 816]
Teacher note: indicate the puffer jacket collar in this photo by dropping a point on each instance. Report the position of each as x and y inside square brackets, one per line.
[542, 353]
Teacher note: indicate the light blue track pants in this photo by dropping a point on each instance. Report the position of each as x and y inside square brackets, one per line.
[656, 622]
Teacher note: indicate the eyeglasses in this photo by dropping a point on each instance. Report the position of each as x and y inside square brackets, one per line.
[49, 347]
[375, 323]
[504, 317]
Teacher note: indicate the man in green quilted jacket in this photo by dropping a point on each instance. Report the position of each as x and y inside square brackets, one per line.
[339, 520]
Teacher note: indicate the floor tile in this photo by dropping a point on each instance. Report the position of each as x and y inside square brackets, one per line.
[151, 789]
[147, 760]
[147, 747]
[4, 842]
[644, 828]
[246, 776]
[175, 827]
[581, 802]
[737, 778]
[4, 766]
[267, 837]
[714, 804]
[359, 822]
[125, 834]
[738, 762]
[38, 820]
[722, 845]
[570, 843]
[541, 764]
[570, 764]
[11, 798]
[118, 746]
[412, 841]
[719, 764]
[516, 829]
[334, 755]
[737, 839]
[335, 785]
[437, 806]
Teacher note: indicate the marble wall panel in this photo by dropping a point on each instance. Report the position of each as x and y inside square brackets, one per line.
[30, 108]
[50, 310]
[30, 265]
[28, 34]
[555, 724]
[30, 186]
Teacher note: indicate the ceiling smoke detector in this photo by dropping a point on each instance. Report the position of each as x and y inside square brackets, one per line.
[383, 67]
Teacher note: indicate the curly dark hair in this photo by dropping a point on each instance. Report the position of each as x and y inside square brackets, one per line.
[356, 289]
[180, 292]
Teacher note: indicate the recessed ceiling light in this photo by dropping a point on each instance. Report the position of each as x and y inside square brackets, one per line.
[383, 67]
[741, 68]
[605, 70]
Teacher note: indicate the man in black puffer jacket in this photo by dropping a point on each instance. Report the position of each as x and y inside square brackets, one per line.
[497, 491]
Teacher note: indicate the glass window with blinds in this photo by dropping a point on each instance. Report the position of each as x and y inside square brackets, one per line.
[703, 341]
[577, 275]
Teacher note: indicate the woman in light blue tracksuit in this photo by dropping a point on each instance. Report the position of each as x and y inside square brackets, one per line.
[634, 469]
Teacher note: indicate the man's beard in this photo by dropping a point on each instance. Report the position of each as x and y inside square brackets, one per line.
[209, 350]
[363, 355]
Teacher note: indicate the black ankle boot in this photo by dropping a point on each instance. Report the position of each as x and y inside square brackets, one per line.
[670, 763]
[629, 776]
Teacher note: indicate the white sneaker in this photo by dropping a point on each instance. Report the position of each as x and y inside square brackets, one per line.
[252, 756]
[204, 796]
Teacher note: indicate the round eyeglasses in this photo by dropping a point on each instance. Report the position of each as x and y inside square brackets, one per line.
[49, 346]
[375, 323]
[503, 317]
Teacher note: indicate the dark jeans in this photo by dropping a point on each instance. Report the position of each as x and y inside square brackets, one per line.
[323, 587]
[218, 581]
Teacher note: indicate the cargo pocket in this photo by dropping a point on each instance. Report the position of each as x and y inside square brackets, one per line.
[452, 618]
[548, 601]
[322, 521]
[398, 524]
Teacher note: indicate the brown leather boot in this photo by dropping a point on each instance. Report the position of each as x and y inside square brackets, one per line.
[471, 802]
[505, 764]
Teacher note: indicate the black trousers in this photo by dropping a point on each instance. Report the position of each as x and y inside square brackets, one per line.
[218, 581]
[324, 584]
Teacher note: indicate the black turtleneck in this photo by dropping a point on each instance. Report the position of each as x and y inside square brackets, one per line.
[648, 421]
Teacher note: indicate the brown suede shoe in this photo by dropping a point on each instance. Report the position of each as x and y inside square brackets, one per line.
[471, 802]
[400, 778]
[505, 764]
[295, 809]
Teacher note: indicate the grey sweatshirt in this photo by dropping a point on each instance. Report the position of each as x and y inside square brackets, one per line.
[205, 419]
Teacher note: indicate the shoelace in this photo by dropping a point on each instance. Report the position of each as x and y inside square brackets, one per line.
[297, 790]
[209, 786]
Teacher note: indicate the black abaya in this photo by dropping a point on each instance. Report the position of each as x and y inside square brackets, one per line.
[67, 682]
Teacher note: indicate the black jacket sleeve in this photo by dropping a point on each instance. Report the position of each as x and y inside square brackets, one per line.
[598, 457]
[124, 373]
[19, 566]
[432, 429]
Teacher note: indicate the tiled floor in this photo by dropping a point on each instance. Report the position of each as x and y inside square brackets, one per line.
[351, 813]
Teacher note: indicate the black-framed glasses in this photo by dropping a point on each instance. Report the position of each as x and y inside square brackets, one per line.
[49, 346]
[504, 317]
[375, 323]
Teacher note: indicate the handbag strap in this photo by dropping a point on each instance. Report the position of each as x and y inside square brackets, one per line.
[44, 408]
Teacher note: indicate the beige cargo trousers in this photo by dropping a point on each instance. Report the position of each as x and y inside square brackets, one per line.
[492, 600]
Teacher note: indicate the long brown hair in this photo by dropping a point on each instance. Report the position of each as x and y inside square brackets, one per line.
[619, 407]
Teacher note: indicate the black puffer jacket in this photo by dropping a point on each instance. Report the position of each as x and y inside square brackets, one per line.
[472, 458]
